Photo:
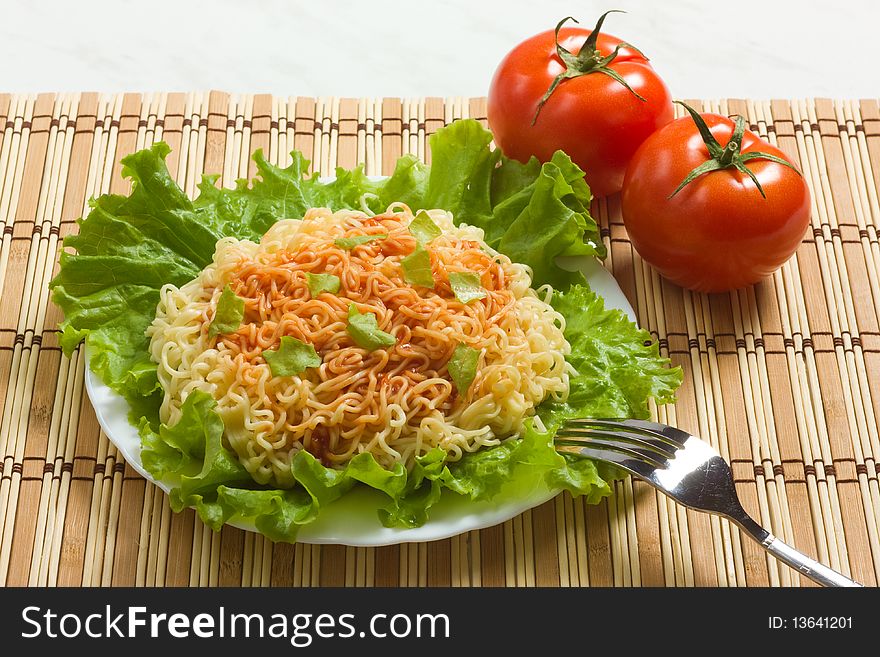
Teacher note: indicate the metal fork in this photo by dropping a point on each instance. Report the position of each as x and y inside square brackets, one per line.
[687, 469]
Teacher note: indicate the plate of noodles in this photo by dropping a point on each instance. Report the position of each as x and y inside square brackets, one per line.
[356, 360]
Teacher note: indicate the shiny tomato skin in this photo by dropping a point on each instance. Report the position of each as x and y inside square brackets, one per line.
[718, 233]
[597, 121]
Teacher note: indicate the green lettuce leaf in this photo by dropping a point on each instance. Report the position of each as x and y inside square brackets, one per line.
[363, 328]
[292, 357]
[462, 167]
[417, 268]
[424, 229]
[619, 367]
[318, 283]
[405, 185]
[247, 211]
[229, 313]
[180, 449]
[466, 286]
[462, 366]
[128, 247]
[348, 243]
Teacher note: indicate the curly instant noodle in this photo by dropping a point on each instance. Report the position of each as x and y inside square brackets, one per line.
[395, 402]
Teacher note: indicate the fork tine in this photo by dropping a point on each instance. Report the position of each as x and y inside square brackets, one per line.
[636, 467]
[611, 442]
[672, 434]
[630, 438]
[645, 428]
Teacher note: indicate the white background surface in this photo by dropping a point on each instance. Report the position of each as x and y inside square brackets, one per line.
[702, 48]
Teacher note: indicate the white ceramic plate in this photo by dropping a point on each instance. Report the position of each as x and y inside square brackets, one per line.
[352, 519]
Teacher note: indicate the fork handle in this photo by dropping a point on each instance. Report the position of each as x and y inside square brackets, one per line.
[802, 563]
[819, 573]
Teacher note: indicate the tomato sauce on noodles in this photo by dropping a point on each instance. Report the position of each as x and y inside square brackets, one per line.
[395, 402]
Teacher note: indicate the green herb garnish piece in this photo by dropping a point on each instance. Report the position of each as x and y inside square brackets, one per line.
[348, 243]
[292, 357]
[322, 283]
[466, 286]
[229, 313]
[463, 367]
[417, 268]
[364, 330]
[423, 228]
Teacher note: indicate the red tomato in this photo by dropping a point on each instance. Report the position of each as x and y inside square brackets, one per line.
[718, 232]
[593, 117]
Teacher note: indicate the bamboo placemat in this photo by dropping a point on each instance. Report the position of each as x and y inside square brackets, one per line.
[783, 378]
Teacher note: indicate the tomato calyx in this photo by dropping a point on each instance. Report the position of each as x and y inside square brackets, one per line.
[729, 156]
[588, 60]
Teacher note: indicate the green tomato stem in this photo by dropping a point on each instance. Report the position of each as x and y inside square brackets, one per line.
[588, 60]
[726, 157]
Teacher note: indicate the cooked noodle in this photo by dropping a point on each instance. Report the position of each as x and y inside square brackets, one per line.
[397, 402]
